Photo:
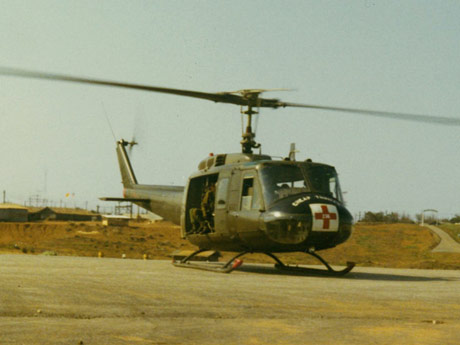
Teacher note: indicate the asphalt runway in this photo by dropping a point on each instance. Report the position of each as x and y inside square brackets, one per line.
[75, 300]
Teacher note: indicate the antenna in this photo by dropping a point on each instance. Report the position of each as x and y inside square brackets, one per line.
[108, 121]
[46, 181]
[292, 152]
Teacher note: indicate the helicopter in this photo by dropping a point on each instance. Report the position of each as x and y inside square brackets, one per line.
[246, 202]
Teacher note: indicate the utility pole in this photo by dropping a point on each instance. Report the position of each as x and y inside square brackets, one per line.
[4, 196]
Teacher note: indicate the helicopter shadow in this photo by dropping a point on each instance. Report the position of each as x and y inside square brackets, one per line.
[271, 270]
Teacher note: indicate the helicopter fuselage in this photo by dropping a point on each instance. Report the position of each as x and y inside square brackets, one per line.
[258, 204]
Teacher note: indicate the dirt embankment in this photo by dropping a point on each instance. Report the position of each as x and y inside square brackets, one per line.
[384, 245]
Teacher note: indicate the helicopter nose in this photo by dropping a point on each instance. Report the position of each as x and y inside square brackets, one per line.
[287, 229]
[308, 219]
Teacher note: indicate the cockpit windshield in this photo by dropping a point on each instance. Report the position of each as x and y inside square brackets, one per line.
[280, 181]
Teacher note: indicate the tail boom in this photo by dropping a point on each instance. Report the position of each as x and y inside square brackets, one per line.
[165, 201]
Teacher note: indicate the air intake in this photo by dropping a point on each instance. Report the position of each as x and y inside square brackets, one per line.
[220, 160]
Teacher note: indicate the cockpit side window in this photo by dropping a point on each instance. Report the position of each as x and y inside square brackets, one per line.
[335, 187]
[324, 180]
[280, 181]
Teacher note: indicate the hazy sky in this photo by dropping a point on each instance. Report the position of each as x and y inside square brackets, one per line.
[385, 55]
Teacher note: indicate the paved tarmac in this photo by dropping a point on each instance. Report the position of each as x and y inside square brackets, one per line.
[447, 243]
[75, 300]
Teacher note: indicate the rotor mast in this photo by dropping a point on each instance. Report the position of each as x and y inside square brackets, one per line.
[248, 142]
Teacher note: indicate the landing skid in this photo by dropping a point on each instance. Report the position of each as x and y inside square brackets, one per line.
[234, 263]
[227, 267]
[316, 271]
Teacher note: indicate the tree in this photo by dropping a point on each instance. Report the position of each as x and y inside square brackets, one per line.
[380, 217]
[455, 219]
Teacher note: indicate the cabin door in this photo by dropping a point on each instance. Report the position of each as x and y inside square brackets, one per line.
[221, 203]
[234, 197]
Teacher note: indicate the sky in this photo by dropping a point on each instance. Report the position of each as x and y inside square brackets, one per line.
[381, 55]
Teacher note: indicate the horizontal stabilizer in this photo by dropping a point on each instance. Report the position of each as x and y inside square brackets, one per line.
[125, 199]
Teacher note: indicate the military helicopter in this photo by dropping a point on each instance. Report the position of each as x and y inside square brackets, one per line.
[246, 202]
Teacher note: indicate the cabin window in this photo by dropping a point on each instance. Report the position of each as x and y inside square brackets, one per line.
[250, 196]
[221, 193]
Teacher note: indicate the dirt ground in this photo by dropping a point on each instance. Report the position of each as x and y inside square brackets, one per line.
[382, 245]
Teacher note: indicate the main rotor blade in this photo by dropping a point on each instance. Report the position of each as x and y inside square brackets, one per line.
[449, 121]
[216, 97]
[228, 97]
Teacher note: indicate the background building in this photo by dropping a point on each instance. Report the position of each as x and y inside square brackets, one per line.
[13, 213]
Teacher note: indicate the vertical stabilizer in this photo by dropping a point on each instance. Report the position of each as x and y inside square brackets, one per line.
[127, 174]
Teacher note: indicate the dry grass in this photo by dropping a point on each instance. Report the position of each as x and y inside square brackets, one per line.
[384, 245]
[452, 229]
[89, 238]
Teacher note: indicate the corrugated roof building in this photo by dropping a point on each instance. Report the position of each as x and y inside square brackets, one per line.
[13, 213]
[59, 213]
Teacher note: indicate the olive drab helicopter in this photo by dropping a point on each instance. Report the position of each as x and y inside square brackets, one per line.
[246, 202]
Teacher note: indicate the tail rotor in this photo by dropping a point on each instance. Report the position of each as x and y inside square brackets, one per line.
[131, 144]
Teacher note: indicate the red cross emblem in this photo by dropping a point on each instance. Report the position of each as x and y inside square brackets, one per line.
[325, 217]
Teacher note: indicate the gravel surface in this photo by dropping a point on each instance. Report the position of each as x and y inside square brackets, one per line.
[76, 300]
